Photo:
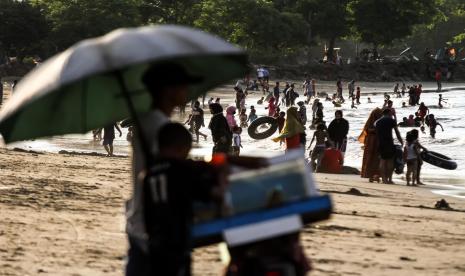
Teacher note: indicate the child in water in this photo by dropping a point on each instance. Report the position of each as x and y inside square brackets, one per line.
[302, 112]
[432, 126]
[261, 100]
[321, 136]
[243, 118]
[271, 107]
[369, 100]
[358, 94]
[353, 104]
[252, 115]
[441, 100]
[281, 120]
[237, 144]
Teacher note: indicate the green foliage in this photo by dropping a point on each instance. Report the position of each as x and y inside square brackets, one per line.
[73, 21]
[447, 28]
[22, 28]
[168, 11]
[329, 19]
[273, 28]
[255, 25]
[380, 22]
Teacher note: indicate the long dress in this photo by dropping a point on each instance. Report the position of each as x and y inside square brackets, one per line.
[292, 131]
[370, 163]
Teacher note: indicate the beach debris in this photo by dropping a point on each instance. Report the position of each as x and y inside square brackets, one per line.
[93, 153]
[378, 234]
[354, 191]
[402, 258]
[27, 151]
[442, 204]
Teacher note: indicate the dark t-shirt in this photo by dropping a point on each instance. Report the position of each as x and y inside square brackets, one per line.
[276, 92]
[109, 132]
[384, 127]
[170, 189]
[338, 129]
[197, 117]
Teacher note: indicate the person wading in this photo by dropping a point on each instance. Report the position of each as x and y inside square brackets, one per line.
[338, 130]
[386, 148]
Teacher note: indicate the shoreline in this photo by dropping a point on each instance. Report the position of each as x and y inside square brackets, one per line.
[63, 214]
[450, 189]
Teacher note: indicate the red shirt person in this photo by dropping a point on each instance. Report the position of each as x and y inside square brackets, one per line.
[332, 161]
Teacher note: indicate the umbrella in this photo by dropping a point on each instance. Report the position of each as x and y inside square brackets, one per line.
[89, 85]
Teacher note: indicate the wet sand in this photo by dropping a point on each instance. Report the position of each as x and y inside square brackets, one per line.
[62, 214]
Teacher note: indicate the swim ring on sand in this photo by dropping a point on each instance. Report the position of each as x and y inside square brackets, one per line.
[270, 125]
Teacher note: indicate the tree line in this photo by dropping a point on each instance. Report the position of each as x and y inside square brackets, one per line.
[45, 27]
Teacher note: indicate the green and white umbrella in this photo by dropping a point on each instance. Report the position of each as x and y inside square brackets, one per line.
[80, 89]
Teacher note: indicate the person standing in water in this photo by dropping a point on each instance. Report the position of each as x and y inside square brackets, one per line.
[422, 111]
[252, 114]
[351, 88]
[237, 144]
[321, 136]
[339, 90]
[197, 121]
[221, 130]
[357, 95]
[432, 125]
[338, 130]
[276, 93]
[441, 100]
[438, 77]
[109, 136]
[386, 148]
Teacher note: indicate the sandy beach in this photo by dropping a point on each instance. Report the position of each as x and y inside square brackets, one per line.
[62, 214]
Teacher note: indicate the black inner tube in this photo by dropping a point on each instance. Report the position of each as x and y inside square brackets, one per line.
[254, 128]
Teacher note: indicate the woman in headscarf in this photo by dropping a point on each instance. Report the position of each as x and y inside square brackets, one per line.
[292, 131]
[221, 133]
[370, 164]
[271, 107]
[230, 111]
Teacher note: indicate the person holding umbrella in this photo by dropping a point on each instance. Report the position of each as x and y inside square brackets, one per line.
[168, 87]
[65, 94]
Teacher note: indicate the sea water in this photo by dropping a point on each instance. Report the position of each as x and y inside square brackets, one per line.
[451, 142]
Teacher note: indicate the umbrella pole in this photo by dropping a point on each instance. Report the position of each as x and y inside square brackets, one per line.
[132, 111]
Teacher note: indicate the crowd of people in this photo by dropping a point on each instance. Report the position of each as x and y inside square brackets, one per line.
[326, 150]
[327, 153]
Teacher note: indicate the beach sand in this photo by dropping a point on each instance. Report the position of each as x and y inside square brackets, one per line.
[63, 214]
